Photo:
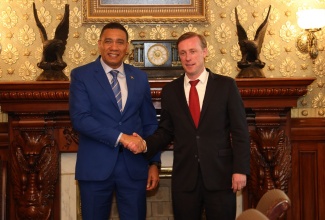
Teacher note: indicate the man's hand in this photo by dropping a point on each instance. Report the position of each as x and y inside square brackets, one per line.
[134, 143]
[238, 181]
[153, 177]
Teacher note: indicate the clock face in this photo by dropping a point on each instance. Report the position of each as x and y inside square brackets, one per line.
[158, 54]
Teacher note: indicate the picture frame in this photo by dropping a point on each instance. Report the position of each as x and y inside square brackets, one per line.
[145, 11]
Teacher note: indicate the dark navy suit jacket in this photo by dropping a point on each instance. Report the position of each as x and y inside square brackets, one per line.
[219, 146]
[95, 116]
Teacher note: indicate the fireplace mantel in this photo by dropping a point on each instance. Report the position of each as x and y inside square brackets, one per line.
[39, 128]
[50, 96]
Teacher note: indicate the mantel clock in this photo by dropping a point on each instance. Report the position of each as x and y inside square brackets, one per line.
[155, 53]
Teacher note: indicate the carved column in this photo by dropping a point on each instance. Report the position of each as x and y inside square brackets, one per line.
[268, 105]
[38, 112]
[34, 170]
[270, 153]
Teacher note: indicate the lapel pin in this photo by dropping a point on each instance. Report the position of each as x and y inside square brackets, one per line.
[132, 77]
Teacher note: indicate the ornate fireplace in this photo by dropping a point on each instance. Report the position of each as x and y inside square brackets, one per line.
[39, 131]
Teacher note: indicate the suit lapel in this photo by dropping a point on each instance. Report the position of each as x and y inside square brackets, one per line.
[131, 84]
[209, 94]
[181, 98]
[102, 79]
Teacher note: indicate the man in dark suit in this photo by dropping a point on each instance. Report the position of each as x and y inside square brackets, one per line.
[212, 152]
[105, 121]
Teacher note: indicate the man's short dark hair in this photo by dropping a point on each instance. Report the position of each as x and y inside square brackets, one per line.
[115, 25]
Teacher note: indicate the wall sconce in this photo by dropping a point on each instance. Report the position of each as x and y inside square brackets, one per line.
[312, 20]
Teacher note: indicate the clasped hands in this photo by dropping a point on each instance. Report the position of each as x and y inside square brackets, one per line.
[134, 143]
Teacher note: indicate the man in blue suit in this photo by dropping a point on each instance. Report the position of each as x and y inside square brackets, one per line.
[105, 121]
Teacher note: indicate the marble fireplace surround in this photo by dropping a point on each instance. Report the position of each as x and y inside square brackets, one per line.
[41, 108]
[70, 199]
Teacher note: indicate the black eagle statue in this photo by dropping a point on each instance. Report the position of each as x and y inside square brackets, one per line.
[251, 66]
[52, 62]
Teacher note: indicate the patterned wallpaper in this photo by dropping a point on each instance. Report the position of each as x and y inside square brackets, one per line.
[22, 47]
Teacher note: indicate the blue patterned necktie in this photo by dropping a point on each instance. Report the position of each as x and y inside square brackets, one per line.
[116, 88]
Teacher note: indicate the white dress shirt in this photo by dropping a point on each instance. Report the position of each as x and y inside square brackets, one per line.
[121, 79]
[200, 87]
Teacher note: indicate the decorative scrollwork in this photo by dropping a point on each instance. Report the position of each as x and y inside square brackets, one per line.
[35, 95]
[270, 161]
[258, 92]
[70, 136]
[34, 173]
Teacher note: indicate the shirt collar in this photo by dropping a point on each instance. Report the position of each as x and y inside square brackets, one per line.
[108, 68]
[203, 77]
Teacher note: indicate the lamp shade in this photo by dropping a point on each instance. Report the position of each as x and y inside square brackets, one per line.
[311, 18]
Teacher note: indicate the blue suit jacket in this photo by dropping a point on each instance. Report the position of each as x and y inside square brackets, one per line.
[95, 116]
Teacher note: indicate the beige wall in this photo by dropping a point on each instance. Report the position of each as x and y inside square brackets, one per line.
[22, 46]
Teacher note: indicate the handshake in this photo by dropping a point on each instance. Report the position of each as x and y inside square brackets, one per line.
[134, 143]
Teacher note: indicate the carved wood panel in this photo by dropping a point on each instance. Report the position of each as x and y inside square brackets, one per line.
[34, 169]
[307, 188]
[270, 152]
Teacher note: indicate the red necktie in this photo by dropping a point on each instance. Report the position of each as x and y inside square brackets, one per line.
[194, 103]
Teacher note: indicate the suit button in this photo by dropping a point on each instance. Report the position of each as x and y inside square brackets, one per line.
[120, 123]
[197, 137]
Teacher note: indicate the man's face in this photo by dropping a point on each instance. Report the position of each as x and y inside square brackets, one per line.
[113, 46]
[192, 56]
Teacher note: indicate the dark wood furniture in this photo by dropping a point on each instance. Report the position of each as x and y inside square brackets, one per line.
[274, 204]
[307, 188]
[39, 130]
[250, 214]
